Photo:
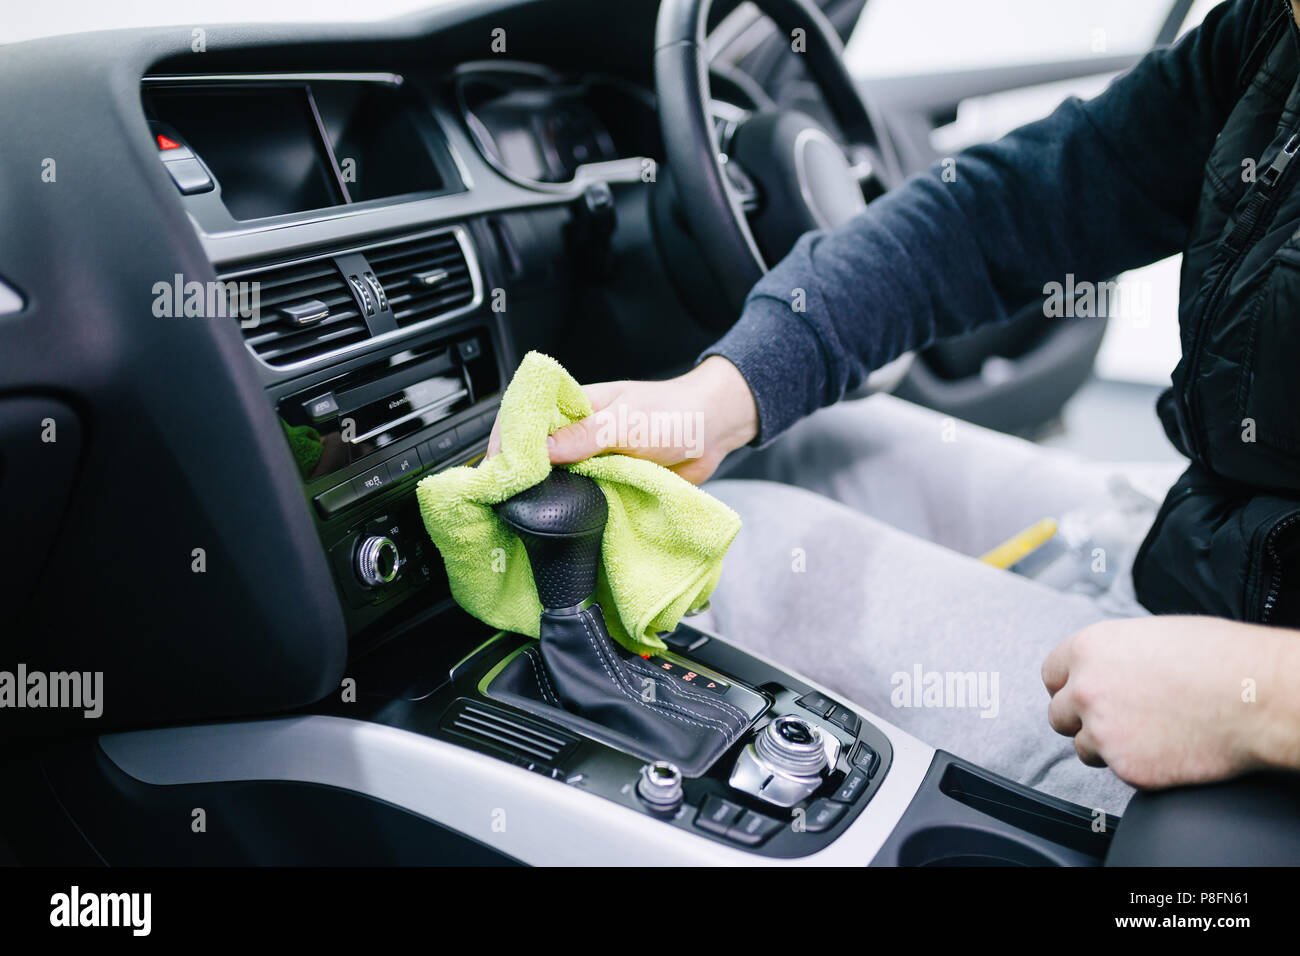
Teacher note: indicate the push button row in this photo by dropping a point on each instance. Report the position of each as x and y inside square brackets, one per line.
[827, 709]
[426, 455]
[734, 822]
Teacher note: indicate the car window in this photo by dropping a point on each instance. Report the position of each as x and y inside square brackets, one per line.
[901, 37]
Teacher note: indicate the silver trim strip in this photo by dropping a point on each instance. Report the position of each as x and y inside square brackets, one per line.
[390, 79]
[549, 823]
[328, 358]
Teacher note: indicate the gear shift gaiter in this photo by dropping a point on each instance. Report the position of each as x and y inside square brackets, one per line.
[577, 676]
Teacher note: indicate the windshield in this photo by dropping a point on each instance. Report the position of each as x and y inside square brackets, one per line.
[25, 21]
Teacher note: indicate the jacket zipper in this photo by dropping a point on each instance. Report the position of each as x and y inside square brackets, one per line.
[1275, 577]
[1244, 235]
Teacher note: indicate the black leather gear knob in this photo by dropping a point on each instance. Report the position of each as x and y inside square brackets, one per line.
[561, 521]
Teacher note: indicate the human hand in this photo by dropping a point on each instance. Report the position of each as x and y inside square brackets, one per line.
[689, 423]
[1170, 700]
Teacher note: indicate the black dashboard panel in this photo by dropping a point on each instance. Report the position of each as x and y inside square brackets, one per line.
[189, 563]
[541, 127]
[260, 143]
[272, 146]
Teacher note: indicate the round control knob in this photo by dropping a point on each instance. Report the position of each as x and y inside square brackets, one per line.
[793, 746]
[377, 561]
[661, 786]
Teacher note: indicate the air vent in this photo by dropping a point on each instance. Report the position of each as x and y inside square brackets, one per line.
[505, 734]
[424, 278]
[301, 290]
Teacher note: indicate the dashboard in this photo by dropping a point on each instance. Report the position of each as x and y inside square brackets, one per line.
[264, 287]
[375, 348]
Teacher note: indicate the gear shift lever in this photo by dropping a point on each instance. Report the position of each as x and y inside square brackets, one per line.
[560, 521]
[583, 680]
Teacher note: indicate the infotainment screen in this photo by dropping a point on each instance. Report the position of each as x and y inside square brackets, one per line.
[281, 146]
[262, 143]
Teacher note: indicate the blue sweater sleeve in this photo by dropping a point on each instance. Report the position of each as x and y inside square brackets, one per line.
[1094, 189]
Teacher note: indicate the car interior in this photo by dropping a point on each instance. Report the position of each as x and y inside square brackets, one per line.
[219, 239]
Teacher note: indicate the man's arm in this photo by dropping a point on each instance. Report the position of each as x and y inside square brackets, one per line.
[1169, 700]
[1094, 189]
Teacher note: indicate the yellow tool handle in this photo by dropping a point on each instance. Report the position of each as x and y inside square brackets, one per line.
[1026, 542]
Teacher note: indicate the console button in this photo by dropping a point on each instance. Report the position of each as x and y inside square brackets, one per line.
[816, 703]
[407, 463]
[853, 787]
[476, 427]
[336, 499]
[864, 758]
[752, 828]
[170, 148]
[321, 407]
[440, 446]
[469, 349]
[371, 481]
[684, 639]
[822, 815]
[844, 718]
[717, 815]
[189, 175]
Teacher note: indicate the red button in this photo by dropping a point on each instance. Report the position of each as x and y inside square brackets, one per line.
[166, 143]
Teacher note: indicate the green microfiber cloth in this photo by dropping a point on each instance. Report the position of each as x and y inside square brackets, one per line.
[663, 543]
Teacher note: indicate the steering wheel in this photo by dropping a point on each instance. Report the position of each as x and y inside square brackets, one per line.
[747, 191]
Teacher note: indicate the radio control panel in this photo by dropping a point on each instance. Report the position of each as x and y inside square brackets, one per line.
[364, 438]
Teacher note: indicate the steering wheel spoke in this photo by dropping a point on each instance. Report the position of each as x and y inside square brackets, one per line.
[740, 184]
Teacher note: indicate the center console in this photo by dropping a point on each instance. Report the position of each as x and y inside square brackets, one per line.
[421, 764]
[570, 749]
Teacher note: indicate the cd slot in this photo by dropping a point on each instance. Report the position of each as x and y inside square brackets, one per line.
[433, 407]
[359, 396]
[415, 394]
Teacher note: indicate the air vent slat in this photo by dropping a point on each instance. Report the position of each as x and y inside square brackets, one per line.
[444, 243]
[396, 266]
[405, 316]
[418, 261]
[282, 351]
[297, 274]
[325, 290]
[491, 734]
[281, 343]
[401, 293]
[271, 331]
[495, 722]
[503, 732]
